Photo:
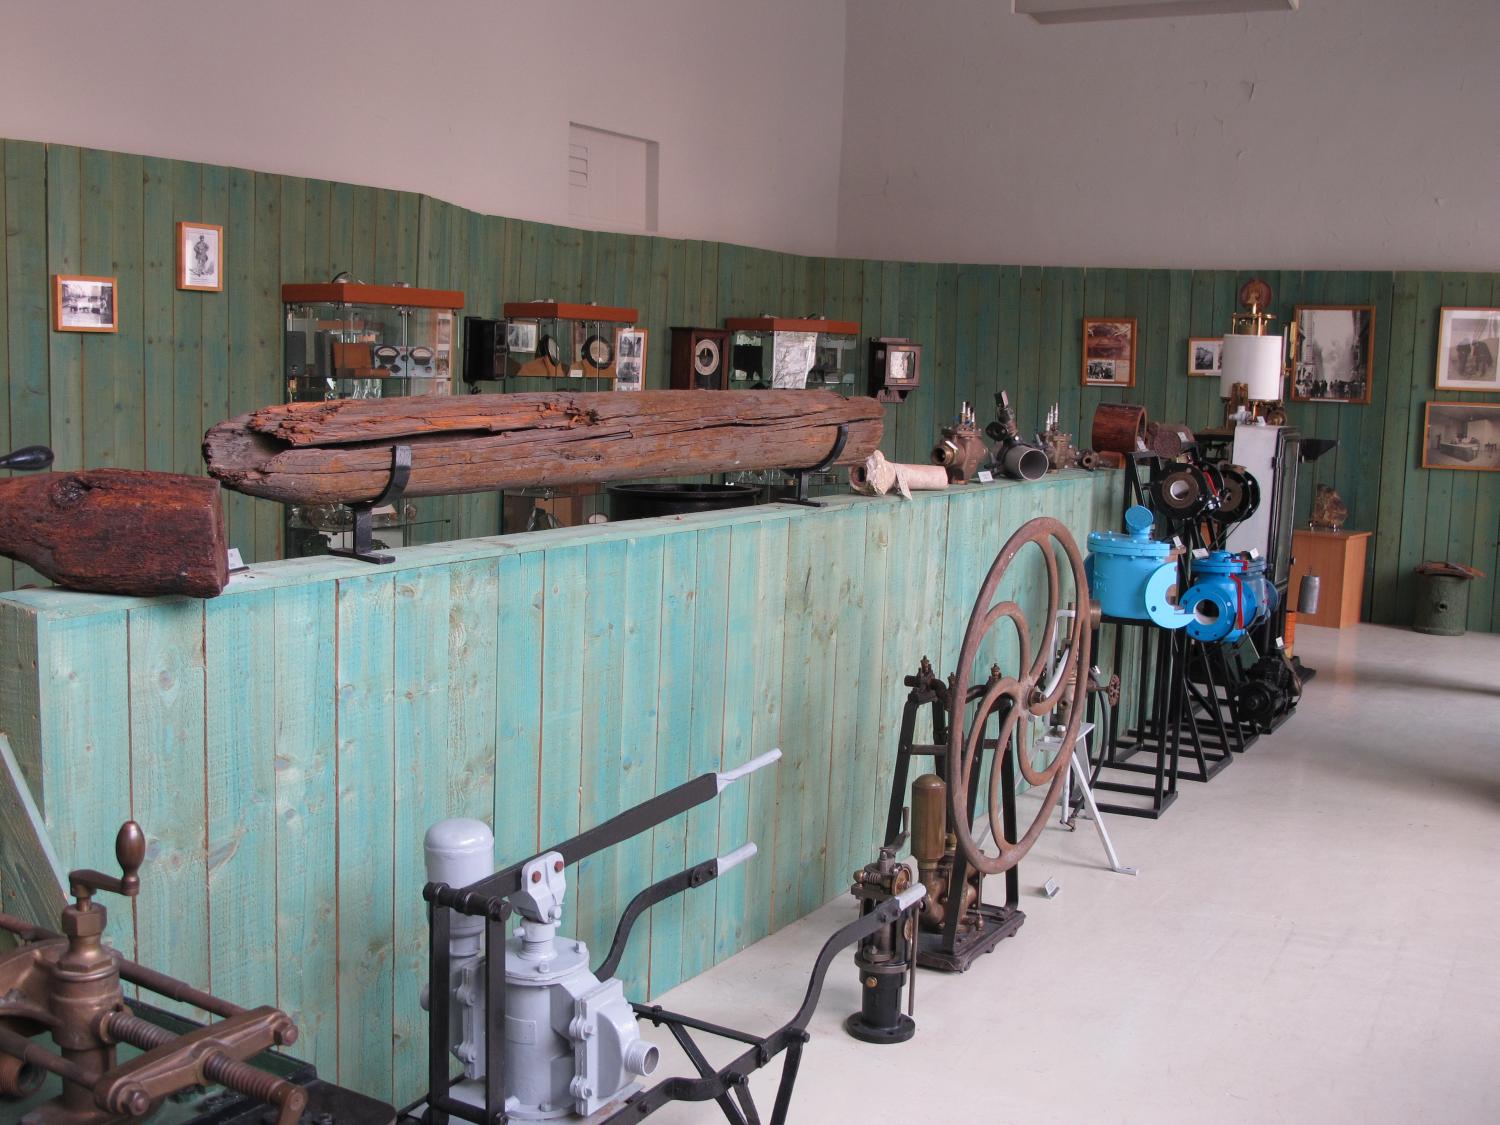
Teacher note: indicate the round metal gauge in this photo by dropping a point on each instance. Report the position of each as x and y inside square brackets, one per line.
[598, 352]
[706, 357]
[385, 355]
[548, 348]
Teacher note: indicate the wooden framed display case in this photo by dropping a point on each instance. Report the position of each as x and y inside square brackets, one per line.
[793, 353]
[346, 339]
[562, 340]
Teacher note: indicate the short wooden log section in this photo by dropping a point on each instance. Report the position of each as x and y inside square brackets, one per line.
[286, 744]
[117, 531]
[340, 452]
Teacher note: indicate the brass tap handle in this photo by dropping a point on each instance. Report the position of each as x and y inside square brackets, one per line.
[130, 853]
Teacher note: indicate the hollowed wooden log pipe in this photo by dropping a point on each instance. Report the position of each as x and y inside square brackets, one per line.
[117, 531]
[340, 451]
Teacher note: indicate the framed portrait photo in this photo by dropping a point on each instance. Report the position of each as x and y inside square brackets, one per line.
[85, 304]
[1206, 356]
[1462, 435]
[1333, 352]
[630, 368]
[1109, 351]
[200, 257]
[1468, 350]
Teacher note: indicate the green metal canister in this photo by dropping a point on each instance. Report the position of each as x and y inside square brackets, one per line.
[1443, 598]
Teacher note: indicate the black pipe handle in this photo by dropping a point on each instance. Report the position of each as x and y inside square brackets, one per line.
[27, 459]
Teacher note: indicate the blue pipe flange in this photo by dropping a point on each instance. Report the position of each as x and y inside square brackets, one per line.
[1212, 608]
[1159, 607]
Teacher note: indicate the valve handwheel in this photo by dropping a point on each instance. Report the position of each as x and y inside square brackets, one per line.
[1026, 692]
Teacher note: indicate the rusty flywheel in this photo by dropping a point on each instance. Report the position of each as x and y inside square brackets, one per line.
[993, 719]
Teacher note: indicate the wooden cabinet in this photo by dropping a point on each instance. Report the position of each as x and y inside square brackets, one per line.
[1338, 559]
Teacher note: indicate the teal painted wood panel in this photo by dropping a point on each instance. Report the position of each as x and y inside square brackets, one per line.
[288, 743]
[182, 360]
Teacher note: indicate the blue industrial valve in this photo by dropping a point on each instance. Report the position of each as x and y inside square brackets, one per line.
[1131, 576]
[1229, 595]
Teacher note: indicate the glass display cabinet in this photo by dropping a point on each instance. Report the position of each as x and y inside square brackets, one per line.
[347, 339]
[598, 347]
[793, 353]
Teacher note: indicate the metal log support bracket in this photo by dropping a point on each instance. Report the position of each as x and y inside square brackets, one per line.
[803, 477]
[726, 1086]
[364, 512]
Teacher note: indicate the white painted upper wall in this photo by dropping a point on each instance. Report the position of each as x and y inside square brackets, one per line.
[465, 100]
[1352, 134]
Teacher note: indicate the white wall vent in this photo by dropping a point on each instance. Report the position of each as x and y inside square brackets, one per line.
[611, 179]
[1082, 11]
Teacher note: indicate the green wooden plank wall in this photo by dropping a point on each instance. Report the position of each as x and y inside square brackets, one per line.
[286, 745]
[184, 360]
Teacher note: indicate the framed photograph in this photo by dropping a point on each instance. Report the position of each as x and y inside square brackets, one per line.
[630, 367]
[200, 257]
[1462, 435]
[1468, 348]
[85, 304]
[1206, 356]
[1332, 352]
[520, 336]
[1109, 351]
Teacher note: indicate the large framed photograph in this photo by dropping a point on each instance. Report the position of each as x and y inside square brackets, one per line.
[1109, 351]
[1206, 356]
[85, 304]
[1461, 435]
[200, 257]
[1335, 346]
[1468, 347]
[630, 367]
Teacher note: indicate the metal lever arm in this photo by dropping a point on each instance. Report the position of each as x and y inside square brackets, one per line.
[130, 852]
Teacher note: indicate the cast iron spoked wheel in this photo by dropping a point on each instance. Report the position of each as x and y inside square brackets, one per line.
[1026, 691]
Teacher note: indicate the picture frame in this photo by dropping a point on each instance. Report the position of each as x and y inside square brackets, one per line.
[200, 257]
[521, 336]
[1109, 350]
[83, 303]
[1468, 352]
[1206, 356]
[630, 358]
[1461, 435]
[1333, 353]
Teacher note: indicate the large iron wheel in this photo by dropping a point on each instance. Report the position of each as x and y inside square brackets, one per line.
[1031, 692]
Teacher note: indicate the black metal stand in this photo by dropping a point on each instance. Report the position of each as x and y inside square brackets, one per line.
[364, 511]
[965, 935]
[804, 476]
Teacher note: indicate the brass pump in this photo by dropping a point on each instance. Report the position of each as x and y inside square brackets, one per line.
[68, 985]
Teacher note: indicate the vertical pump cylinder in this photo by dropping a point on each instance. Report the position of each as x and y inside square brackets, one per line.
[929, 818]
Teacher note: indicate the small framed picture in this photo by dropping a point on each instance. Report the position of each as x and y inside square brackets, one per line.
[1206, 356]
[85, 304]
[200, 257]
[1468, 348]
[1462, 435]
[1333, 349]
[630, 366]
[520, 336]
[1109, 351]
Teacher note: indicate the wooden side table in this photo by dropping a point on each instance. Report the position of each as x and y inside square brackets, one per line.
[1338, 559]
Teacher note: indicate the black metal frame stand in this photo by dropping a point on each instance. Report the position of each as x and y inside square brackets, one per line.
[727, 1086]
[364, 511]
[804, 477]
[954, 950]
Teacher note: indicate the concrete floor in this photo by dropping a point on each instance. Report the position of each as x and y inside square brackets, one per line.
[1312, 937]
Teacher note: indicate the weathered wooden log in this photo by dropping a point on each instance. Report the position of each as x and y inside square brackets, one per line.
[340, 451]
[117, 531]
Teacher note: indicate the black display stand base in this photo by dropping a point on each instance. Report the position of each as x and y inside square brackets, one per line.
[904, 1029]
[1000, 922]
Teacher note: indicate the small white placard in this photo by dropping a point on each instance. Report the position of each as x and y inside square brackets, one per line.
[984, 476]
[235, 562]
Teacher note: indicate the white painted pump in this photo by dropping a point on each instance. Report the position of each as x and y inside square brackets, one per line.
[572, 1044]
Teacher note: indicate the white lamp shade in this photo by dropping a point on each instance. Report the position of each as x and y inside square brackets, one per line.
[1254, 361]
